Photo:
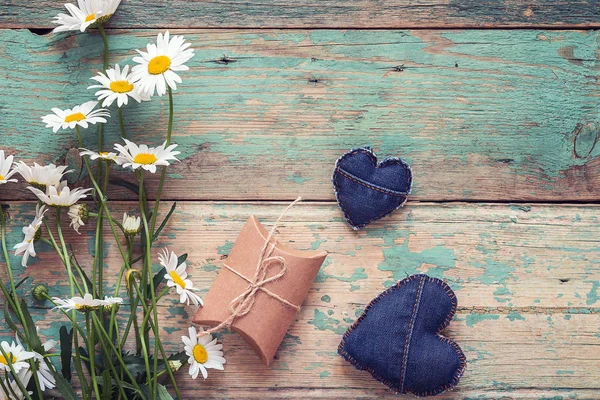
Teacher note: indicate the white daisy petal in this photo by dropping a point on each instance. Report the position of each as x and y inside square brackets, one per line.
[134, 157]
[156, 65]
[202, 356]
[117, 85]
[85, 14]
[77, 116]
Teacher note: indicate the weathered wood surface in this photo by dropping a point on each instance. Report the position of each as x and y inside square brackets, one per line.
[391, 14]
[526, 277]
[481, 115]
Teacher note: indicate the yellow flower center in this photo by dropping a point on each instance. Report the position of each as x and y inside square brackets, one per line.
[145, 158]
[1, 177]
[103, 153]
[121, 86]
[13, 359]
[158, 65]
[200, 354]
[75, 117]
[177, 279]
[90, 17]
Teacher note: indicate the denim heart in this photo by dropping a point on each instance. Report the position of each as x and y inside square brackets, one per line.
[397, 338]
[367, 191]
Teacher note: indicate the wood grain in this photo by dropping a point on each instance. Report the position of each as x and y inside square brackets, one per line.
[526, 278]
[391, 14]
[480, 115]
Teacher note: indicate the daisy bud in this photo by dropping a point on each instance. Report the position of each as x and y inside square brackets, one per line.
[175, 365]
[40, 292]
[108, 308]
[131, 274]
[79, 215]
[131, 225]
[37, 235]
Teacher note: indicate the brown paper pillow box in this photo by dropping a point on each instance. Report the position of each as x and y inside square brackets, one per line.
[265, 326]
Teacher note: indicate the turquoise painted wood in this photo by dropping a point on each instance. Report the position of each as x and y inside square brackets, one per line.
[526, 277]
[481, 115]
[484, 117]
[322, 14]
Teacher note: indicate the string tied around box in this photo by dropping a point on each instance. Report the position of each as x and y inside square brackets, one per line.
[243, 303]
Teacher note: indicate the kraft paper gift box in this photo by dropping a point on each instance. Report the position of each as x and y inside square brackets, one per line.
[275, 304]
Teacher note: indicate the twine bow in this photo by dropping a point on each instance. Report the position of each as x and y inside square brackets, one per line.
[243, 303]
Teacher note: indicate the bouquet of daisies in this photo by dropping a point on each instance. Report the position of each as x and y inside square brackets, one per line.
[110, 345]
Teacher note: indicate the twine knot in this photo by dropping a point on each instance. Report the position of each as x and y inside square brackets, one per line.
[243, 303]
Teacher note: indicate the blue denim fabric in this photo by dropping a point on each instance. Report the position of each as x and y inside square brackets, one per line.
[366, 190]
[397, 338]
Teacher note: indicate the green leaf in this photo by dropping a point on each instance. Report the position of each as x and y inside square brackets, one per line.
[34, 339]
[64, 387]
[135, 365]
[145, 390]
[158, 278]
[164, 222]
[162, 393]
[75, 163]
[11, 323]
[66, 350]
[80, 271]
[127, 185]
[106, 385]
[21, 282]
[83, 352]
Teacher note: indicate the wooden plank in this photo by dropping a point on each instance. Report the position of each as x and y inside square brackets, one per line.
[533, 356]
[526, 278]
[392, 14]
[508, 257]
[481, 115]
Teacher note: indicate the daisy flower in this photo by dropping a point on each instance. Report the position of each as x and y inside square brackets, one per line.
[103, 155]
[79, 215]
[81, 115]
[16, 354]
[110, 301]
[24, 376]
[157, 68]
[5, 165]
[176, 275]
[117, 85]
[134, 156]
[61, 195]
[83, 304]
[44, 374]
[203, 352]
[32, 233]
[41, 176]
[88, 13]
[131, 225]
[79, 18]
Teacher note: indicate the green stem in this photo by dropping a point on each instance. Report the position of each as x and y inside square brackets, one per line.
[72, 283]
[160, 346]
[147, 277]
[112, 347]
[53, 242]
[101, 255]
[121, 124]
[163, 172]
[92, 355]
[100, 194]
[105, 40]
[12, 370]
[13, 287]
